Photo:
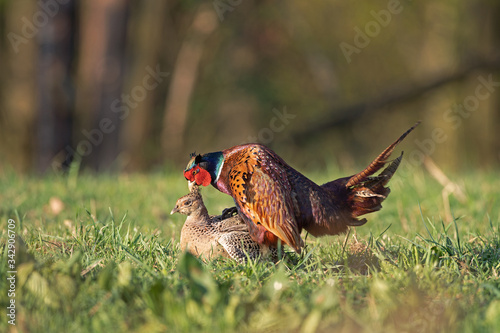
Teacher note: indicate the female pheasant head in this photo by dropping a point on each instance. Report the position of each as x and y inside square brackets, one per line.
[204, 169]
[189, 203]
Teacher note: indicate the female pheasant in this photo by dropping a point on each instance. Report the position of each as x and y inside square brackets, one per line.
[212, 236]
[277, 202]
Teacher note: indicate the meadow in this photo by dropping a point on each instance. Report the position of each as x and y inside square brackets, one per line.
[97, 253]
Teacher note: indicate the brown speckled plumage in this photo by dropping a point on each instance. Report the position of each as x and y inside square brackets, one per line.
[211, 236]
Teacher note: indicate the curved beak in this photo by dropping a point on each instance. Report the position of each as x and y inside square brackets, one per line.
[191, 184]
[175, 210]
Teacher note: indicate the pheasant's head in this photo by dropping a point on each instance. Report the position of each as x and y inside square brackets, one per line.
[196, 172]
[203, 169]
[188, 203]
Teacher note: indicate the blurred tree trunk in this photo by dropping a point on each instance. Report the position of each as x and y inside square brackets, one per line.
[183, 80]
[56, 53]
[101, 71]
[486, 124]
[147, 39]
[18, 95]
[495, 22]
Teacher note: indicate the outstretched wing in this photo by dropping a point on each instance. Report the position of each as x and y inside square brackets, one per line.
[259, 184]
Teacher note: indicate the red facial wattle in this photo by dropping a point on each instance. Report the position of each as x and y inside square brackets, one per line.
[189, 175]
[198, 175]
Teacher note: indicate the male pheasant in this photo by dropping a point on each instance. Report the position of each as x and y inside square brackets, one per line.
[277, 202]
[211, 236]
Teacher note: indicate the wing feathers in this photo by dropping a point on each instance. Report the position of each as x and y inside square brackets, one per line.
[262, 191]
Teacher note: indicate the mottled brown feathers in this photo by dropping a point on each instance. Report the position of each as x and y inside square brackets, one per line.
[211, 236]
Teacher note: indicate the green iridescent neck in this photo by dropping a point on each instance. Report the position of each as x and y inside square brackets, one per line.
[214, 162]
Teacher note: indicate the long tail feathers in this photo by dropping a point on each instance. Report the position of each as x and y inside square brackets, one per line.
[367, 196]
[385, 176]
[379, 162]
[365, 191]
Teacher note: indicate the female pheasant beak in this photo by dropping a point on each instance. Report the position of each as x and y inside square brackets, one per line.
[191, 185]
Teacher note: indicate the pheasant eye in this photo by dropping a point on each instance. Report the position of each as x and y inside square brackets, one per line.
[196, 171]
[188, 203]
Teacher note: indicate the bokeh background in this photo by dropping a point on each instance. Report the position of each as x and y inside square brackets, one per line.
[123, 86]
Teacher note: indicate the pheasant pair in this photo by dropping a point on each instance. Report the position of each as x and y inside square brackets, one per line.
[212, 236]
[277, 202]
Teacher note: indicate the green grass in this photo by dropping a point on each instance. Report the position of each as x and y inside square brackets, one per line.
[109, 261]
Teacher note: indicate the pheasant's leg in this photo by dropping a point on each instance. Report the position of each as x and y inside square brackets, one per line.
[229, 212]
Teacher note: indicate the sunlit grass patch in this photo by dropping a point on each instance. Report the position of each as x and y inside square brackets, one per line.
[106, 258]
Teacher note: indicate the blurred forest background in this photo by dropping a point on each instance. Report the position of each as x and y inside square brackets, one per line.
[123, 85]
